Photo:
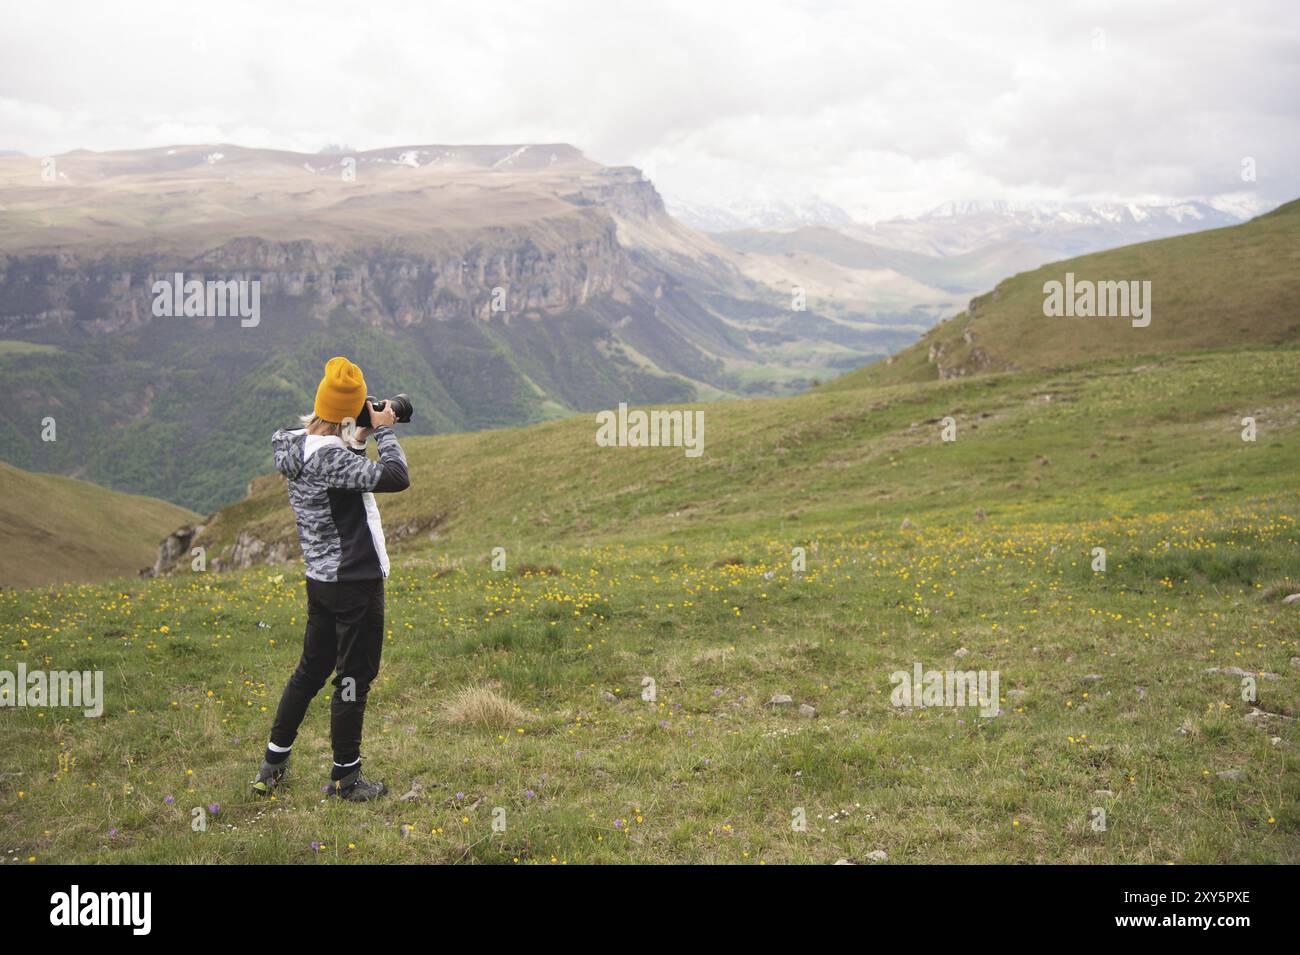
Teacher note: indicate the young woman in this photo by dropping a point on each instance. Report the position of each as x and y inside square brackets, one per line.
[332, 485]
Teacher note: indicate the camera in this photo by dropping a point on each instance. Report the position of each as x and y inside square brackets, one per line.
[400, 405]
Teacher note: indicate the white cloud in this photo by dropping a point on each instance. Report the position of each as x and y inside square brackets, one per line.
[880, 107]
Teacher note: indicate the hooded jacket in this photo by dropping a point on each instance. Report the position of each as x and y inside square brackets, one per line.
[332, 490]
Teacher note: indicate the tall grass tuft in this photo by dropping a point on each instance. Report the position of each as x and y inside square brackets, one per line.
[481, 705]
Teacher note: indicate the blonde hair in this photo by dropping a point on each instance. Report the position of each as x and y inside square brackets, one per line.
[313, 421]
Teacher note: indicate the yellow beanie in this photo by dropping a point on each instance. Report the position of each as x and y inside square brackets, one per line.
[342, 392]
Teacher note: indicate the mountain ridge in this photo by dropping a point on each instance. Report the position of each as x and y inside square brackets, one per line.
[498, 285]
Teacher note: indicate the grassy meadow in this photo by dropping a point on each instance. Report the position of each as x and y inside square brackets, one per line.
[515, 696]
[60, 528]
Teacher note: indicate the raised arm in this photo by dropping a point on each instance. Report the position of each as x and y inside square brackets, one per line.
[342, 468]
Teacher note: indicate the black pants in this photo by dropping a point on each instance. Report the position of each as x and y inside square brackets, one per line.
[345, 634]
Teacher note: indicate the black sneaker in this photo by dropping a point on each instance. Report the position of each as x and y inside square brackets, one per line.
[354, 788]
[269, 775]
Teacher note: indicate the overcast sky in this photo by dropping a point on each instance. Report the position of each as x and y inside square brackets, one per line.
[882, 108]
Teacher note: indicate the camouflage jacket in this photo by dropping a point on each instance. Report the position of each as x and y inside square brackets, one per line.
[332, 490]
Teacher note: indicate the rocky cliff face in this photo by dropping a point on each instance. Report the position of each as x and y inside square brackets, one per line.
[952, 344]
[493, 272]
[624, 192]
[538, 240]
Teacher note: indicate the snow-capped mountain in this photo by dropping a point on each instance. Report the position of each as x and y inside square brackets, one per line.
[759, 213]
[1082, 213]
[967, 246]
[1057, 229]
[964, 226]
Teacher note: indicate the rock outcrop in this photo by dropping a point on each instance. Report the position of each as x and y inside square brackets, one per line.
[174, 548]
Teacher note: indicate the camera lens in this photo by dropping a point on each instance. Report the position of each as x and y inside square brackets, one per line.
[401, 406]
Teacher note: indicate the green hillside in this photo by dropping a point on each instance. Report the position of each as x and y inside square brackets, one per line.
[682, 655]
[61, 529]
[851, 456]
[521, 693]
[1222, 288]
